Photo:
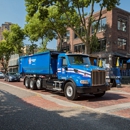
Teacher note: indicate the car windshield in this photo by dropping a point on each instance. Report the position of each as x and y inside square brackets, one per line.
[79, 59]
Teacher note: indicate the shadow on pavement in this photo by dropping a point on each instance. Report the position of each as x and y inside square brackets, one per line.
[16, 114]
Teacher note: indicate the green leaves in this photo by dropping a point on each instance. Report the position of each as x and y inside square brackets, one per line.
[14, 38]
[58, 15]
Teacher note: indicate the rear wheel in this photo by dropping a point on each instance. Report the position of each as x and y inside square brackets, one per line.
[70, 91]
[27, 83]
[99, 94]
[32, 84]
[39, 83]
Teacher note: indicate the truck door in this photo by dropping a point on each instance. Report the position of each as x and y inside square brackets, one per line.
[64, 68]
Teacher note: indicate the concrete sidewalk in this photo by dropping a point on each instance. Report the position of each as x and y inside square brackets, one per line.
[123, 88]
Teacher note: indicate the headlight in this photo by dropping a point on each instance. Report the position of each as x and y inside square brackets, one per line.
[84, 82]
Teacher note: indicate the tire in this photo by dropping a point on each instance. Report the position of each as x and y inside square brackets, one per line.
[27, 83]
[99, 94]
[70, 91]
[39, 84]
[32, 84]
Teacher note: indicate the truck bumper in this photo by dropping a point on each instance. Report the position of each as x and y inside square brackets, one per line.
[95, 89]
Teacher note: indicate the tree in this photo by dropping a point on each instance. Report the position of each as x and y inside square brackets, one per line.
[32, 48]
[12, 43]
[51, 25]
[72, 14]
[35, 29]
[43, 47]
[14, 37]
[6, 50]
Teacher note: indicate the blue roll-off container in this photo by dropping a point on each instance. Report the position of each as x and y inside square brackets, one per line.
[41, 63]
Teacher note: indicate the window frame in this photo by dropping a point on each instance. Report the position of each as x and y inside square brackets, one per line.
[120, 42]
[101, 26]
[120, 25]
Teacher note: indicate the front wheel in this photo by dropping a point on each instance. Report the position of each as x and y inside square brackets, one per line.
[70, 91]
[99, 94]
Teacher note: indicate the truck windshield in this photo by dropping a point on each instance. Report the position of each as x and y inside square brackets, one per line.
[79, 59]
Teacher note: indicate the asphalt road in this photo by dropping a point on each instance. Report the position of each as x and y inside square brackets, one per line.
[17, 114]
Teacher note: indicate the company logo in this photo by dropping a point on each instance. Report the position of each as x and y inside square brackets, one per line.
[31, 60]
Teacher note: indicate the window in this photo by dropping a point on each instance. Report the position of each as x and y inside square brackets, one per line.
[101, 27]
[122, 43]
[67, 35]
[64, 61]
[101, 45]
[80, 31]
[75, 36]
[79, 59]
[79, 48]
[122, 24]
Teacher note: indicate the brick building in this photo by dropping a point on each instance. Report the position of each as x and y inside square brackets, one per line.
[113, 36]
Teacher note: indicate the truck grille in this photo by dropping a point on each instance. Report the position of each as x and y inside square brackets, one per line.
[98, 77]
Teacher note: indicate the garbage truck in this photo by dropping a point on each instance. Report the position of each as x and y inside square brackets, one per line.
[69, 73]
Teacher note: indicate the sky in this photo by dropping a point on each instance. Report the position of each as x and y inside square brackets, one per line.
[14, 11]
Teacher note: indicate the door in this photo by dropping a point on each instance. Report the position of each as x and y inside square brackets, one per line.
[64, 69]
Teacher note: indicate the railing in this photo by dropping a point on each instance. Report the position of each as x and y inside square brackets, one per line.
[125, 72]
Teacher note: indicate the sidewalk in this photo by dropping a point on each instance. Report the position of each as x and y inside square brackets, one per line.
[123, 88]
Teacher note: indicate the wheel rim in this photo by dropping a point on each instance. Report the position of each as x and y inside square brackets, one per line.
[38, 83]
[69, 91]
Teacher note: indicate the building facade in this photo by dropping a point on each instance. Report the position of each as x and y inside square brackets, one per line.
[113, 35]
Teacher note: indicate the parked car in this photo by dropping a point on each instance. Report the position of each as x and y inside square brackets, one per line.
[1, 75]
[19, 75]
[11, 77]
